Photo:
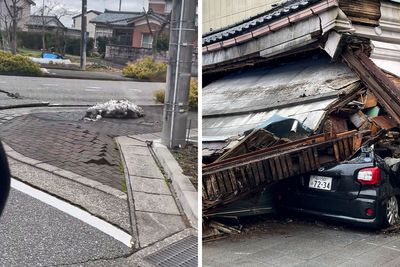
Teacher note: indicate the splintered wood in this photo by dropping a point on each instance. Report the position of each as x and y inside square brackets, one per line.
[362, 11]
[234, 178]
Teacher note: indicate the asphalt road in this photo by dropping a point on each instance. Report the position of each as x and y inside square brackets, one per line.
[76, 91]
[33, 233]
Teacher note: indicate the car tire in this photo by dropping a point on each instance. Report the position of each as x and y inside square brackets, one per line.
[391, 211]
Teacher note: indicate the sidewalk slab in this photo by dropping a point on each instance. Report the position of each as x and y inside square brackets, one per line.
[155, 203]
[149, 185]
[143, 165]
[152, 205]
[154, 227]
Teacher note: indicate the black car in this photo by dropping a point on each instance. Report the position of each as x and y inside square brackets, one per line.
[363, 191]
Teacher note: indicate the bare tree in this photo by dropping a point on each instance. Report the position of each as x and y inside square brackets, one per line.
[48, 9]
[155, 33]
[10, 16]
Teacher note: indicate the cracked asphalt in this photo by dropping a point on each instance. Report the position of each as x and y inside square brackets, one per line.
[87, 148]
[35, 234]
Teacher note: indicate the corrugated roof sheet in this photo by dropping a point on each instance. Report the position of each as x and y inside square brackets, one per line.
[241, 100]
[254, 89]
[226, 126]
[286, 8]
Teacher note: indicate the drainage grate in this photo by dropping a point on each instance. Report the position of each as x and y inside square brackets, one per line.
[181, 253]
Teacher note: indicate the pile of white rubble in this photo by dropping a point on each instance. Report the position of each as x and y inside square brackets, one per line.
[121, 109]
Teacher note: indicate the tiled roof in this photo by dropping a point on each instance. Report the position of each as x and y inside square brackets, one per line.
[116, 17]
[47, 21]
[282, 10]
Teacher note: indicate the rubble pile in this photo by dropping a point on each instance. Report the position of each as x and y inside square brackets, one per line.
[120, 109]
[366, 112]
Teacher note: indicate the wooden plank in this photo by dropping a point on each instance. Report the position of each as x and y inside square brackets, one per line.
[284, 166]
[261, 171]
[267, 170]
[245, 179]
[341, 150]
[346, 145]
[256, 174]
[336, 151]
[301, 163]
[273, 170]
[214, 184]
[250, 176]
[278, 167]
[221, 183]
[306, 161]
[316, 157]
[289, 165]
[227, 180]
[233, 180]
[311, 159]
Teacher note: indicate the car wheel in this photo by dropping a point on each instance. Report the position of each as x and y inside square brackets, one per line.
[391, 211]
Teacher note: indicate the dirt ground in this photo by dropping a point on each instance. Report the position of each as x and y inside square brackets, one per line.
[187, 159]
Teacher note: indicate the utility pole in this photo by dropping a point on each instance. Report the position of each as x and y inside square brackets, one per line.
[120, 3]
[176, 107]
[83, 35]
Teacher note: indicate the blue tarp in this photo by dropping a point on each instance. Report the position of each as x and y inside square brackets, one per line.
[52, 56]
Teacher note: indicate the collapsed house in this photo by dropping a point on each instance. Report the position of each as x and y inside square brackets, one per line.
[305, 84]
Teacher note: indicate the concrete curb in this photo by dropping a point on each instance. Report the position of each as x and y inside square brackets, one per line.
[186, 192]
[130, 200]
[29, 105]
[63, 173]
[90, 78]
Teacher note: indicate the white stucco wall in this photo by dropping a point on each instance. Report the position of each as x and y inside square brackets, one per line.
[91, 27]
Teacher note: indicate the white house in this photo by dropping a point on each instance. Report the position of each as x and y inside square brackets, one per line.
[24, 11]
[91, 27]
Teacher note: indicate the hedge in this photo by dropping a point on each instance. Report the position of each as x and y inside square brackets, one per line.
[18, 65]
[62, 44]
[146, 69]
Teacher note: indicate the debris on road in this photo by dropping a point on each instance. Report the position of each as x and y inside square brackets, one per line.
[120, 109]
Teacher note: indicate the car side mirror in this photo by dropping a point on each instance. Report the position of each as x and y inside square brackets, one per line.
[5, 179]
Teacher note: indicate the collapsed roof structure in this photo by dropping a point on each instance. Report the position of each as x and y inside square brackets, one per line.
[331, 66]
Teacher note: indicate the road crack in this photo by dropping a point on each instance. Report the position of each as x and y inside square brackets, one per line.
[124, 256]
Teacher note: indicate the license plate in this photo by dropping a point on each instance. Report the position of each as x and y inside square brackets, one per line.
[320, 182]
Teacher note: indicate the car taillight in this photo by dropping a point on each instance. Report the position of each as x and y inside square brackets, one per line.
[369, 175]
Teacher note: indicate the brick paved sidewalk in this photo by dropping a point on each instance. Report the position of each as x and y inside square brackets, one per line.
[86, 148]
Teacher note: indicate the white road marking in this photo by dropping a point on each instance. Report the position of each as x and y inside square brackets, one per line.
[93, 87]
[65, 207]
[50, 84]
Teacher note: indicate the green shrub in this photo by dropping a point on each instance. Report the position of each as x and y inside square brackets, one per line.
[18, 65]
[193, 94]
[146, 69]
[159, 95]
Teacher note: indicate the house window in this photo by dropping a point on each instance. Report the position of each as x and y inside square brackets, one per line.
[147, 40]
